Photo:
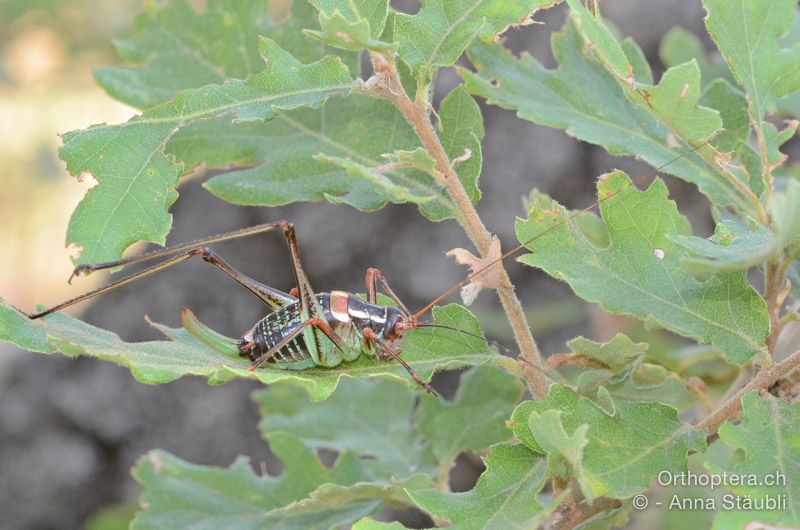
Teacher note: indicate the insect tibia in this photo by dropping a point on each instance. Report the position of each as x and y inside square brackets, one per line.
[208, 336]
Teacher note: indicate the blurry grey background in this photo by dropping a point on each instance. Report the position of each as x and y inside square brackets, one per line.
[70, 430]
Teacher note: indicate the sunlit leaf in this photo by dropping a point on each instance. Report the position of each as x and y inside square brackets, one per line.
[137, 178]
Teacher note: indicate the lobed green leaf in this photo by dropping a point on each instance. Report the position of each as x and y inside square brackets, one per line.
[439, 33]
[735, 246]
[137, 179]
[153, 362]
[350, 152]
[615, 454]
[378, 421]
[504, 497]
[372, 419]
[747, 35]
[639, 273]
[769, 438]
[173, 49]
[352, 25]
[582, 97]
[178, 494]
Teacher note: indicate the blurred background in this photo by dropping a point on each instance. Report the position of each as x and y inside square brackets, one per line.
[70, 429]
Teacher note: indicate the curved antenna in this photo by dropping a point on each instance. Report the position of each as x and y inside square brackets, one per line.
[522, 245]
[554, 376]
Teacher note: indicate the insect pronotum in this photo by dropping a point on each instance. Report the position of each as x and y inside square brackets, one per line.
[304, 328]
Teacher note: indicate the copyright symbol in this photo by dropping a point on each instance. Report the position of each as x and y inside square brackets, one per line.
[640, 502]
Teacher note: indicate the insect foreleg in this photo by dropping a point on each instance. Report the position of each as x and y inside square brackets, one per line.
[385, 352]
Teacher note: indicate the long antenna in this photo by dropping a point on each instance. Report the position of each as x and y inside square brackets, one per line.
[519, 247]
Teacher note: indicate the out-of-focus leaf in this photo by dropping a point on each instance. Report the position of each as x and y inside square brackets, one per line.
[332, 507]
[583, 98]
[639, 272]
[622, 374]
[615, 354]
[352, 25]
[176, 47]
[372, 419]
[735, 246]
[679, 46]
[137, 179]
[504, 497]
[371, 524]
[476, 418]
[377, 420]
[747, 34]
[769, 437]
[426, 350]
[615, 455]
[439, 33]
[179, 495]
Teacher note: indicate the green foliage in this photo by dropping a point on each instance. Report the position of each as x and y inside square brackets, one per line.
[504, 497]
[131, 204]
[440, 32]
[748, 39]
[278, 106]
[617, 370]
[153, 362]
[641, 268]
[614, 453]
[769, 438]
[374, 419]
[181, 495]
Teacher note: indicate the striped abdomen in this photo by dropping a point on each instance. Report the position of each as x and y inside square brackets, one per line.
[273, 329]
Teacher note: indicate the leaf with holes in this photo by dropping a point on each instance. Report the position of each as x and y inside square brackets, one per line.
[639, 272]
[504, 497]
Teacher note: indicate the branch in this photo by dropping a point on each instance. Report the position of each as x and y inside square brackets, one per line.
[569, 514]
[386, 84]
[763, 379]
